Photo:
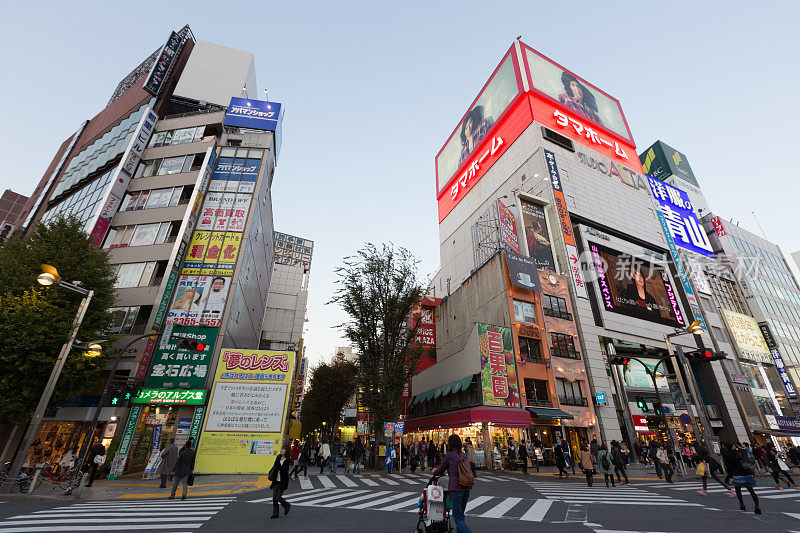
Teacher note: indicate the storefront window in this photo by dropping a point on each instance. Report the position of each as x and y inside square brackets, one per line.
[524, 312]
[530, 350]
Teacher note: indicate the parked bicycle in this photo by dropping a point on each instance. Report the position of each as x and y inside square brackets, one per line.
[55, 476]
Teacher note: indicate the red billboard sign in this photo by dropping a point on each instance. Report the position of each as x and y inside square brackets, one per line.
[508, 227]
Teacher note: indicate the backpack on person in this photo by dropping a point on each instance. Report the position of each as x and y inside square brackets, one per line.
[604, 461]
[465, 477]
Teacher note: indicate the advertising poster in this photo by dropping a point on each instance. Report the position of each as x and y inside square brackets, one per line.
[537, 238]
[686, 230]
[749, 338]
[253, 114]
[576, 94]
[199, 301]
[212, 253]
[498, 366]
[174, 367]
[634, 287]
[224, 211]
[508, 227]
[636, 376]
[496, 96]
[246, 416]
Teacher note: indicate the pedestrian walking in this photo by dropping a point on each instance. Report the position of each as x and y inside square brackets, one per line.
[623, 449]
[523, 456]
[594, 447]
[422, 451]
[336, 453]
[97, 456]
[279, 475]
[742, 474]
[662, 459]
[473, 461]
[431, 454]
[778, 467]
[184, 467]
[169, 456]
[347, 456]
[708, 466]
[561, 461]
[323, 456]
[303, 460]
[459, 494]
[358, 455]
[391, 455]
[294, 457]
[651, 454]
[587, 464]
[605, 464]
[619, 462]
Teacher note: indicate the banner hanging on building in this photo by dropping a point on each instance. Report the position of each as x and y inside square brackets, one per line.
[498, 366]
[682, 224]
[508, 227]
[246, 417]
[537, 236]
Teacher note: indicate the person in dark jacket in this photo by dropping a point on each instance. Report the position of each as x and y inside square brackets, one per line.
[774, 464]
[523, 456]
[279, 475]
[169, 455]
[738, 467]
[431, 455]
[619, 462]
[358, 455]
[652, 456]
[459, 494]
[712, 467]
[304, 460]
[561, 461]
[183, 469]
[92, 462]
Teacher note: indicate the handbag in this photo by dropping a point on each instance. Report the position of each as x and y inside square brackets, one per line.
[190, 481]
[782, 465]
[701, 469]
[99, 459]
[465, 477]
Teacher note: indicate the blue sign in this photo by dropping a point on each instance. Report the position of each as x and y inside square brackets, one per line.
[679, 215]
[399, 426]
[686, 419]
[781, 368]
[601, 398]
[253, 114]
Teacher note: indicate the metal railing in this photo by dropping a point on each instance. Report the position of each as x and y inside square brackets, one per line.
[536, 402]
[566, 354]
[573, 400]
[557, 314]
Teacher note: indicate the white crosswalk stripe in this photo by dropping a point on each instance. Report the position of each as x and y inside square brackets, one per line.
[620, 495]
[119, 515]
[768, 492]
[510, 508]
[334, 481]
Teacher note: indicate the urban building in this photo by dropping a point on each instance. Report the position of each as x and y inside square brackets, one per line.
[174, 178]
[11, 205]
[555, 243]
[288, 295]
[796, 257]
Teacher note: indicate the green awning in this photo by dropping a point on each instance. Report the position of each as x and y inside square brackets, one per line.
[447, 388]
[465, 382]
[546, 412]
[443, 390]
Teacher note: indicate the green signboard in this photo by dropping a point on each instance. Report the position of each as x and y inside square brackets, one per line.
[175, 367]
[197, 423]
[130, 429]
[171, 396]
[662, 161]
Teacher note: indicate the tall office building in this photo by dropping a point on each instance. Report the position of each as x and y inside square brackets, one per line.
[174, 178]
[11, 205]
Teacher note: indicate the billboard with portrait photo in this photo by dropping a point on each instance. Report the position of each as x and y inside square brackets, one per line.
[537, 237]
[576, 94]
[493, 100]
[634, 287]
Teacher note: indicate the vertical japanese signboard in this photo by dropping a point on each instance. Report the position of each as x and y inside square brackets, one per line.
[748, 337]
[299, 386]
[780, 366]
[122, 176]
[573, 260]
[508, 227]
[166, 58]
[498, 366]
[537, 237]
[682, 223]
[246, 417]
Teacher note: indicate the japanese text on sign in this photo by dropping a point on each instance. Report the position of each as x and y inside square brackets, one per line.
[679, 214]
[585, 131]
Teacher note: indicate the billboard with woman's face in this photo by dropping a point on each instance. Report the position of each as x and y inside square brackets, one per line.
[496, 96]
[576, 94]
[631, 286]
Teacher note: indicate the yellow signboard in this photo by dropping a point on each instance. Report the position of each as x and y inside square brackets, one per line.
[212, 253]
[748, 337]
[245, 423]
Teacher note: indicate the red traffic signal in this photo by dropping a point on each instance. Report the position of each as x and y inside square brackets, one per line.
[189, 344]
[705, 356]
[619, 360]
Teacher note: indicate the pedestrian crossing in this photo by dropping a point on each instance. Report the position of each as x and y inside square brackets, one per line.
[100, 516]
[513, 508]
[766, 490]
[619, 495]
[384, 480]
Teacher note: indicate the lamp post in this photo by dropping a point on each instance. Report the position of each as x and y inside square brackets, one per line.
[49, 276]
[93, 426]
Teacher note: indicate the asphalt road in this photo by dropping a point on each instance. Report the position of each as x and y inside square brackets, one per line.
[374, 502]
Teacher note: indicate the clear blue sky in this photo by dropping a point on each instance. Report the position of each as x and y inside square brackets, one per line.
[372, 92]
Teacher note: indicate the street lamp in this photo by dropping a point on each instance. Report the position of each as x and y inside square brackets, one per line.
[49, 276]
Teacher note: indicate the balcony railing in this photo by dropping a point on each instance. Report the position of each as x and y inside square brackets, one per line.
[572, 400]
[557, 314]
[533, 358]
[536, 402]
[567, 354]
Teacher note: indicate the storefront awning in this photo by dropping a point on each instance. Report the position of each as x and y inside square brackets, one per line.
[443, 390]
[547, 412]
[499, 416]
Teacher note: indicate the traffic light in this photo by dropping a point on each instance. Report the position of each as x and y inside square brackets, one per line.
[705, 356]
[642, 405]
[657, 410]
[619, 360]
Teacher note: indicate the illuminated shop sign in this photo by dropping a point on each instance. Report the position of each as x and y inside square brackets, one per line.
[679, 214]
[171, 396]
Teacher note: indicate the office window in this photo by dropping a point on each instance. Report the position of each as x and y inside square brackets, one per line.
[569, 393]
[536, 392]
[523, 311]
[530, 350]
[719, 334]
[134, 274]
[563, 345]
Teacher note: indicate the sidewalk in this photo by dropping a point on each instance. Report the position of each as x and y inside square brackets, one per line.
[133, 486]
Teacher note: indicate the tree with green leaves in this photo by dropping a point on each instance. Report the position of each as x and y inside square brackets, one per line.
[330, 387]
[35, 320]
[378, 289]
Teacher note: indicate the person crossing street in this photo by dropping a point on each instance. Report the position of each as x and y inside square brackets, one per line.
[184, 467]
[459, 494]
[279, 475]
[169, 456]
[605, 464]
